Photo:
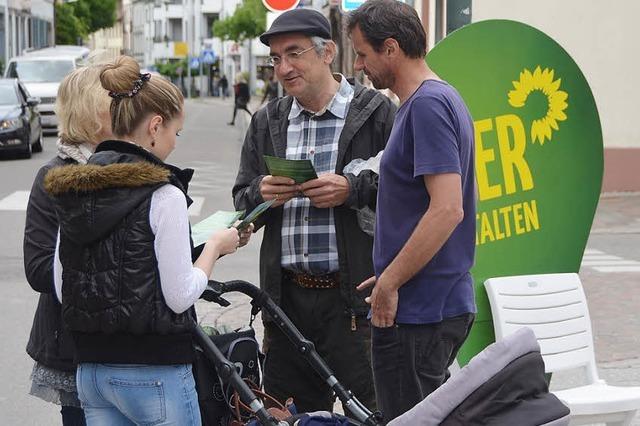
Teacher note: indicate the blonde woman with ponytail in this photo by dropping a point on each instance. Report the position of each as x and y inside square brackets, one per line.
[125, 273]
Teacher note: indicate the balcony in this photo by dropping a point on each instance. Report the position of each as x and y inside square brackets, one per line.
[168, 11]
[213, 6]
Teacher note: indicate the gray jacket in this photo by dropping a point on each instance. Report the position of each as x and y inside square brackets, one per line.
[365, 133]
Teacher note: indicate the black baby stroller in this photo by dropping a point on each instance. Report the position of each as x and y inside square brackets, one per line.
[503, 385]
[227, 370]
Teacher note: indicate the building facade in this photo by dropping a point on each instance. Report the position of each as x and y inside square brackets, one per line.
[169, 30]
[25, 24]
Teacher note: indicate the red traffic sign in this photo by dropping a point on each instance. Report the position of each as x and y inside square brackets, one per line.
[280, 5]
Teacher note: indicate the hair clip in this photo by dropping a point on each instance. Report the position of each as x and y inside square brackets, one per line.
[137, 85]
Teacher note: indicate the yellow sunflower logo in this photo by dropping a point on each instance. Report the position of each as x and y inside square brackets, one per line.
[541, 80]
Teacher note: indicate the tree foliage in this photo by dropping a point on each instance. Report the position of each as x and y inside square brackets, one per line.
[76, 20]
[248, 21]
[96, 14]
[171, 68]
[69, 28]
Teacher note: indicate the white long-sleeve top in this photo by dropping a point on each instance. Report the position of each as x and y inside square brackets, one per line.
[181, 282]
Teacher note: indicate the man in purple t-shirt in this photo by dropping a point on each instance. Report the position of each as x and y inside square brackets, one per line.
[422, 305]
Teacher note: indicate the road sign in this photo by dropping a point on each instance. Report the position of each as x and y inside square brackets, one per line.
[349, 5]
[208, 56]
[195, 63]
[280, 5]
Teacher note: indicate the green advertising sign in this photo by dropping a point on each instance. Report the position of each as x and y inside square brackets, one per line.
[539, 156]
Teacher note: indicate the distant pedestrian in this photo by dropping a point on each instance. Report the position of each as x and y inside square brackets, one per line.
[82, 106]
[223, 85]
[242, 98]
[270, 89]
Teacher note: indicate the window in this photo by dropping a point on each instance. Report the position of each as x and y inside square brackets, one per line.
[209, 19]
[8, 95]
[175, 30]
[157, 31]
[40, 71]
[458, 14]
[450, 15]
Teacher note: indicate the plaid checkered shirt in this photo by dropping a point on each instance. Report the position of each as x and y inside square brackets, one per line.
[308, 233]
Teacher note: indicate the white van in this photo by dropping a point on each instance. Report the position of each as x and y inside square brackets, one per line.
[41, 72]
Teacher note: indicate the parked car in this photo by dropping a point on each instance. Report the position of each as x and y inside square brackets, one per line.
[42, 73]
[20, 127]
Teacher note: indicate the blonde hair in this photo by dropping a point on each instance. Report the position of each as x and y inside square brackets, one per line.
[155, 96]
[80, 103]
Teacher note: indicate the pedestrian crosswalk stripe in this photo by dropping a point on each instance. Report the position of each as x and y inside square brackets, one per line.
[592, 251]
[16, 202]
[617, 268]
[196, 207]
[610, 262]
[600, 257]
[603, 262]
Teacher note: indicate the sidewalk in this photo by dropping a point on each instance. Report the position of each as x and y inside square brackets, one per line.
[613, 298]
[618, 213]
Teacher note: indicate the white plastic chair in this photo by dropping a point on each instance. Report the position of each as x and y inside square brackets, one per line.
[555, 308]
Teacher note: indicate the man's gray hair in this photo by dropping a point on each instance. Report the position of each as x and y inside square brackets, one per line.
[320, 44]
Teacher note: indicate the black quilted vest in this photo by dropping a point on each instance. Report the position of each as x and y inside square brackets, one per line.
[112, 299]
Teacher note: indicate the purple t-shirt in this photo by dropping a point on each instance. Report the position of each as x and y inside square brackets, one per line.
[432, 134]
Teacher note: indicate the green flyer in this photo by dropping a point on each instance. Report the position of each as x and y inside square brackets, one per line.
[201, 231]
[298, 170]
[251, 217]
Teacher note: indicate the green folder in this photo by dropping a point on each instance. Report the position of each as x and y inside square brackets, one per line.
[298, 170]
[201, 231]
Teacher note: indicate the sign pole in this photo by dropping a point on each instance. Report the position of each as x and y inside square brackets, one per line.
[188, 76]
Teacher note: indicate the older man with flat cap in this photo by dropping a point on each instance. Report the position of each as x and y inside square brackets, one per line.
[313, 252]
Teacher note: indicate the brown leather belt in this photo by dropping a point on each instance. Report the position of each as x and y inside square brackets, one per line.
[313, 281]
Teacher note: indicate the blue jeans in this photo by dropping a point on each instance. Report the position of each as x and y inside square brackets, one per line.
[133, 394]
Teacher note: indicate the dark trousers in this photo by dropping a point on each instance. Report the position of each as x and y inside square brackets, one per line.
[72, 416]
[322, 317]
[236, 107]
[411, 361]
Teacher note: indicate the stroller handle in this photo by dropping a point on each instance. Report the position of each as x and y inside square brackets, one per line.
[261, 300]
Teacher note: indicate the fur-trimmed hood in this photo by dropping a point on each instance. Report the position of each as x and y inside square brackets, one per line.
[92, 199]
[90, 177]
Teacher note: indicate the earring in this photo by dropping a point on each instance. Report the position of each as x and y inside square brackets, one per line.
[153, 142]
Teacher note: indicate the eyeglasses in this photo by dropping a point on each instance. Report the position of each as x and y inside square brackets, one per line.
[291, 57]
